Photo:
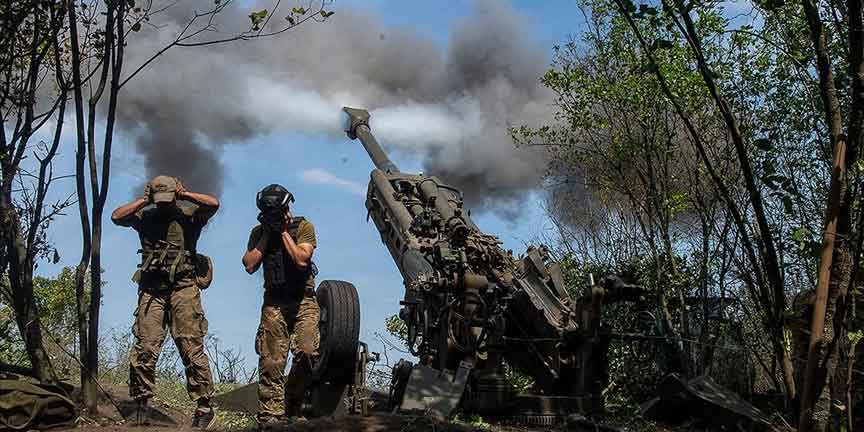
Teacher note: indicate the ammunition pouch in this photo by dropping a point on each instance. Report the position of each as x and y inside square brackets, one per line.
[279, 269]
[166, 262]
[275, 268]
[203, 271]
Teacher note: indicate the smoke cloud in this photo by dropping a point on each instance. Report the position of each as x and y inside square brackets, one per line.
[450, 107]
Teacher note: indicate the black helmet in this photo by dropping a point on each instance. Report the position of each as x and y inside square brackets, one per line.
[273, 197]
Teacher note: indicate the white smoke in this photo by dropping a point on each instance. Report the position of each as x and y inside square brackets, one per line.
[321, 176]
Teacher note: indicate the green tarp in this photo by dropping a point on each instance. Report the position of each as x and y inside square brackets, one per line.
[26, 405]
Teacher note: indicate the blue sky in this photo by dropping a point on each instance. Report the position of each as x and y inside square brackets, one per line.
[327, 175]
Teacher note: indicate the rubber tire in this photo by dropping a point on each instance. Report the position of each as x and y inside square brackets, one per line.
[340, 332]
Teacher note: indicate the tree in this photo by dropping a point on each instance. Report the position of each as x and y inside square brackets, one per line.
[838, 260]
[628, 185]
[55, 301]
[758, 242]
[753, 112]
[33, 96]
[785, 89]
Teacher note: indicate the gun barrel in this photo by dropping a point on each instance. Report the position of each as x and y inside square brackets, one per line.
[356, 125]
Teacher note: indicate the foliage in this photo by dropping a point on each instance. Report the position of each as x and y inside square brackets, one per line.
[11, 346]
[29, 49]
[55, 298]
[631, 194]
[520, 380]
[397, 328]
[474, 421]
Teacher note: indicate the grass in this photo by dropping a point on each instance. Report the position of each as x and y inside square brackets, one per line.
[474, 421]
[172, 393]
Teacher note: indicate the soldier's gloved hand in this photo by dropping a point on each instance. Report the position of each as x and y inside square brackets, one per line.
[274, 224]
[277, 227]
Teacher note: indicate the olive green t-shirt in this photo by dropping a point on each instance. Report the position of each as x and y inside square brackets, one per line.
[305, 234]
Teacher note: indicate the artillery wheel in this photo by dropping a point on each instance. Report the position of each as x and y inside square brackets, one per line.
[339, 326]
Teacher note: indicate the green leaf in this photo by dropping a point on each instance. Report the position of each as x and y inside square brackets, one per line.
[859, 166]
[298, 11]
[290, 19]
[257, 18]
[800, 234]
[136, 27]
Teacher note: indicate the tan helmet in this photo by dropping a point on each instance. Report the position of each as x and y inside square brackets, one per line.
[163, 188]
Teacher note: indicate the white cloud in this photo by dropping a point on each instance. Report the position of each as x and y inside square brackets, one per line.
[323, 177]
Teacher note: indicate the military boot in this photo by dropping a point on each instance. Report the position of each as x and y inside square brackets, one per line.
[271, 425]
[203, 415]
[141, 417]
[294, 409]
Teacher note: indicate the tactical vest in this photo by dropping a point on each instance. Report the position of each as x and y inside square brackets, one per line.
[279, 268]
[171, 255]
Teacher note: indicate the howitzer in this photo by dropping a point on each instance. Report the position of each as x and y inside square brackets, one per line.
[471, 307]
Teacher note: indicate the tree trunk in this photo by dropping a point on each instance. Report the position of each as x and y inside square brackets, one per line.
[781, 352]
[29, 326]
[21, 284]
[92, 361]
[831, 275]
[88, 384]
[818, 354]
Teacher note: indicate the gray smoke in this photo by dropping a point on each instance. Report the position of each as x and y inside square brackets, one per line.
[450, 108]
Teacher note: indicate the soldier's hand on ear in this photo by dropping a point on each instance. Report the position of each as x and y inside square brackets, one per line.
[181, 190]
[147, 195]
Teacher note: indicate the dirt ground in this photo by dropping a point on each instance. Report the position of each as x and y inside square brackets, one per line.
[171, 410]
[378, 423]
[115, 407]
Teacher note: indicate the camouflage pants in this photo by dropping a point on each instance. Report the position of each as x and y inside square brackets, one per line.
[181, 311]
[285, 325]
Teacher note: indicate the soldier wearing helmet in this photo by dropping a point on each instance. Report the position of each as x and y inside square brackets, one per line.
[283, 244]
[169, 220]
